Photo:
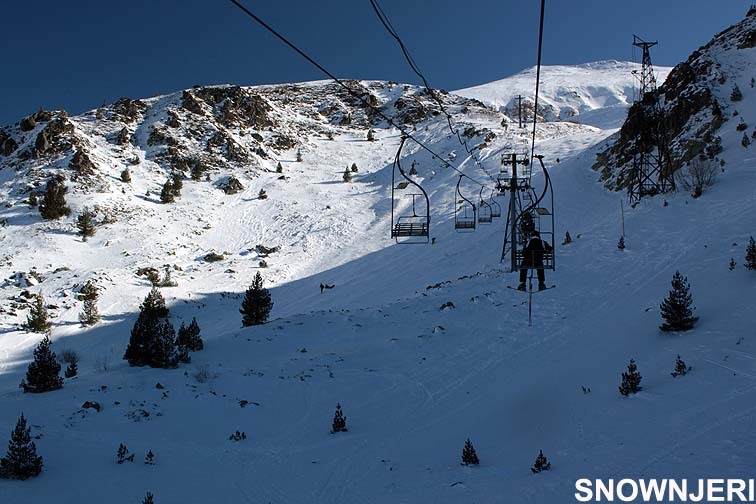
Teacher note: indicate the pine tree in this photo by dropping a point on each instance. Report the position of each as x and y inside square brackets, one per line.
[123, 454]
[151, 342]
[750, 257]
[371, 135]
[279, 168]
[736, 94]
[676, 308]
[177, 183]
[38, 320]
[126, 175]
[732, 263]
[149, 459]
[541, 463]
[469, 457]
[21, 461]
[745, 142]
[413, 169]
[53, 204]
[190, 336]
[680, 368]
[42, 373]
[567, 238]
[89, 314]
[339, 421]
[148, 499]
[299, 155]
[262, 194]
[167, 195]
[347, 175]
[167, 280]
[85, 224]
[71, 370]
[353, 168]
[257, 304]
[196, 172]
[33, 201]
[621, 243]
[630, 380]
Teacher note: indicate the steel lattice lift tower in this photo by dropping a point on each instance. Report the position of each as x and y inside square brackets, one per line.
[652, 173]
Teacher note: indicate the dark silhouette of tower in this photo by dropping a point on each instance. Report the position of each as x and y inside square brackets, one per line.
[652, 171]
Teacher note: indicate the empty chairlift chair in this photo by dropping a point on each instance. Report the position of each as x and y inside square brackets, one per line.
[495, 206]
[465, 212]
[485, 212]
[414, 227]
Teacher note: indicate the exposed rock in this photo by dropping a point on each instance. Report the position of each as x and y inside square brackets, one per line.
[124, 137]
[231, 185]
[7, 145]
[191, 103]
[128, 110]
[82, 164]
[55, 138]
[93, 405]
[27, 123]
[213, 257]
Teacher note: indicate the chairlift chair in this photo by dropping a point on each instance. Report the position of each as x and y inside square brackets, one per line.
[465, 212]
[485, 213]
[415, 227]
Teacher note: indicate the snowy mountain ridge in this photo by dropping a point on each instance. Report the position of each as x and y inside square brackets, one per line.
[597, 93]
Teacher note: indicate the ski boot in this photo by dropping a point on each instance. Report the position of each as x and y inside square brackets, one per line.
[541, 286]
[521, 287]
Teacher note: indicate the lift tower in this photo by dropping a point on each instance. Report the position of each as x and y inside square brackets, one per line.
[652, 172]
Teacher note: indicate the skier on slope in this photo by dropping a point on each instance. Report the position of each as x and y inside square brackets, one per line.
[532, 257]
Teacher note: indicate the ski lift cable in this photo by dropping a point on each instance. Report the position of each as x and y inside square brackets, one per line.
[538, 79]
[383, 18]
[354, 94]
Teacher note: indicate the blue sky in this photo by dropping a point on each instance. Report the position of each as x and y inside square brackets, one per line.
[75, 54]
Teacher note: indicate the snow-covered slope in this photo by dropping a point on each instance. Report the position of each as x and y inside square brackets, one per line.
[414, 380]
[596, 93]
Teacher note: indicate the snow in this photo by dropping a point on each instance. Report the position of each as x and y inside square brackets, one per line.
[570, 92]
[414, 381]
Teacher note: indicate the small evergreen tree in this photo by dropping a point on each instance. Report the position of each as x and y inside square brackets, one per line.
[279, 168]
[680, 368]
[299, 155]
[262, 194]
[469, 457]
[621, 243]
[630, 380]
[339, 421]
[177, 183]
[123, 454]
[736, 94]
[148, 499]
[541, 463]
[126, 175]
[85, 224]
[371, 135]
[676, 308]
[750, 257]
[167, 280]
[71, 370]
[167, 195]
[33, 201]
[190, 336]
[42, 373]
[257, 304]
[53, 204]
[745, 142]
[347, 175]
[354, 168]
[413, 169]
[196, 172]
[149, 459]
[89, 315]
[38, 320]
[732, 263]
[567, 238]
[21, 462]
[152, 342]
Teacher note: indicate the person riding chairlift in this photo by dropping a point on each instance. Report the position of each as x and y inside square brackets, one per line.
[532, 257]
